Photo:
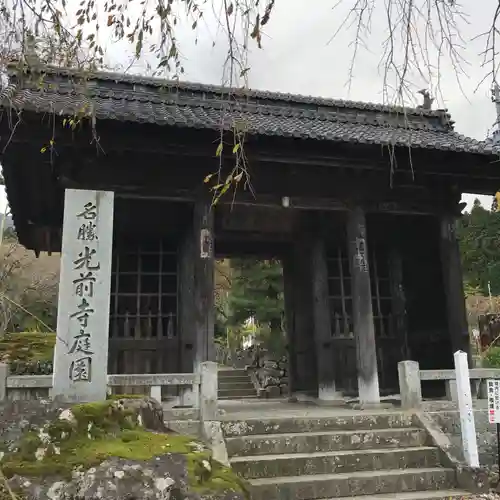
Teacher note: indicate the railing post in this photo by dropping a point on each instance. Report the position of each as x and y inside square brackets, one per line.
[4, 373]
[155, 392]
[208, 391]
[451, 390]
[189, 396]
[464, 396]
[409, 384]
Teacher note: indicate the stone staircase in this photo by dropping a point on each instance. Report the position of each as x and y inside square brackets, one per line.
[364, 457]
[235, 383]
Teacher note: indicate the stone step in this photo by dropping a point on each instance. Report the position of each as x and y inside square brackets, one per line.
[227, 398]
[236, 393]
[417, 495]
[228, 386]
[304, 464]
[274, 444]
[259, 426]
[232, 372]
[245, 379]
[329, 486]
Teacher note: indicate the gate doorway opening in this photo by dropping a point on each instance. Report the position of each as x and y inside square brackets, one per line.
[250, 309]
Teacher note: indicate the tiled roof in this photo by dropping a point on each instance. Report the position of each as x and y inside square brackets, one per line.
[150, 100]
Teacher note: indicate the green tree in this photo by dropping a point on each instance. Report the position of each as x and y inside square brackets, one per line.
[479, 235]
[257, 292]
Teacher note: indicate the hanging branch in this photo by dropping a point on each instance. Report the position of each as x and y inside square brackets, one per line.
[421, 36]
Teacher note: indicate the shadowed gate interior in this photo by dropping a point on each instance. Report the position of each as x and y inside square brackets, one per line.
[145, 331]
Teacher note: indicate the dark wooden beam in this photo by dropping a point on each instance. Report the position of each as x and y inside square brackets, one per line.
[333, 191]
[263, 248]
[148, 139]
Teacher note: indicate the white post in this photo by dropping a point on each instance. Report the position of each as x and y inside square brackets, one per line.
[467, 424]
[81, 351]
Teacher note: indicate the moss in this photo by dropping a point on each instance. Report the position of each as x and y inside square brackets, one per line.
[117, 397]
[106, 417]
[222, 479]
[104, 430]
[30, 443]
[27, 347]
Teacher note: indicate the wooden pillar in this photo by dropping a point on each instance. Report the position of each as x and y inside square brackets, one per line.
[185, 293]
[321, 321]
[203, 277]
[364, 329]
[304, 345]
[288, 275]
[453, 285]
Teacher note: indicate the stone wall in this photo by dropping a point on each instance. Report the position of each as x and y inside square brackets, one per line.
[489, 328]
[449, 422]
[270, 372]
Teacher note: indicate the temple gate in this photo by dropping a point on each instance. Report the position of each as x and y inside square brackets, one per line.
[358, 200]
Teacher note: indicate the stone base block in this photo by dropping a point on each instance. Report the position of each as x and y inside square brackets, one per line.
[372, 406]
[273, 392]
[332, 402]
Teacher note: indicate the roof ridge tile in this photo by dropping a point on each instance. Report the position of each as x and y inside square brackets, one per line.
[155, 82]
[337, 125]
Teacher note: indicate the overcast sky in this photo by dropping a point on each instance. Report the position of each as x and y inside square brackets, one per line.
[297, 58]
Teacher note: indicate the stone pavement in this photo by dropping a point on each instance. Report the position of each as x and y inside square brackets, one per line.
[270, 408]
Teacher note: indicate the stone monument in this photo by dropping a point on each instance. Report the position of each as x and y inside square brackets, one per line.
[81, 351]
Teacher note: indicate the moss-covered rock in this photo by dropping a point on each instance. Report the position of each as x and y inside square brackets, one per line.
[28, 353]
[27, 347]
[116, 449]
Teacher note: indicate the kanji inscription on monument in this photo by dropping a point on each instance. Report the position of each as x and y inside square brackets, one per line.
[81, 353]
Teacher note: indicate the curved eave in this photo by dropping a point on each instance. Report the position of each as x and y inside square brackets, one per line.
[14, 199]
[253, 120]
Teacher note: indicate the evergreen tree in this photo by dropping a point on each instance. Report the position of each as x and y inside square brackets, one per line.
[257, 292]
[479, 235]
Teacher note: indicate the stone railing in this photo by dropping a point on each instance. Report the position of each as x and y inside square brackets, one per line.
[197, 390]
[411, 377]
